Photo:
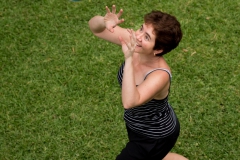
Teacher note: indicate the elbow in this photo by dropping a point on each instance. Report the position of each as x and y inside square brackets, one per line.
[91, 26]
[96, 25]
[125, 105]
[128, 105]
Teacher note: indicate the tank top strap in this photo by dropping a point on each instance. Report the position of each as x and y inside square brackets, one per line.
[163, 69]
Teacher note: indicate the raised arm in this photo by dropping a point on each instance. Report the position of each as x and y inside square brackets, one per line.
[107, 27]
[150, 88]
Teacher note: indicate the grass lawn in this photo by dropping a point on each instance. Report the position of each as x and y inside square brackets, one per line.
[59, 96]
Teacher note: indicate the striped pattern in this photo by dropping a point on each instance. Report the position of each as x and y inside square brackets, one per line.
[155, 119]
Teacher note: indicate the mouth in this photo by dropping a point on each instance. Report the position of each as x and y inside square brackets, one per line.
[138, 45]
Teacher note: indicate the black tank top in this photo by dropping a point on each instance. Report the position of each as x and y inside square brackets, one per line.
[154, 119]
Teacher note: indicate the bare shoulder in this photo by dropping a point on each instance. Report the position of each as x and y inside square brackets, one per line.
[161, 69]
[159, 79]
[159, 75]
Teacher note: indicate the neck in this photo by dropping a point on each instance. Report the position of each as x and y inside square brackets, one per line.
[147, 59]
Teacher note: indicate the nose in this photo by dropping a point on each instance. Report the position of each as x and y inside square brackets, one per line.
[139, 36]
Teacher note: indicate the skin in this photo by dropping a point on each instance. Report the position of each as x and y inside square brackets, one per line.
[137, 47]
[138, 60]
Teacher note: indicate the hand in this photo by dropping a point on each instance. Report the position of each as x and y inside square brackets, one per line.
[111, 19]
[128, 48]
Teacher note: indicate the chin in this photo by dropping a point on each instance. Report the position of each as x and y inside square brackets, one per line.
[137, 50]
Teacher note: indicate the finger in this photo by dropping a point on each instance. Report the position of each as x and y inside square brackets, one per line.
[120, 21]
[129, 30]
[110, 29]
[132, 33]
[132, 43]
[113, 9]
[129, 44]
[120, 13]
[134, 36]
[107, 9]
[121, 40]
[131, 36]
[133, 39]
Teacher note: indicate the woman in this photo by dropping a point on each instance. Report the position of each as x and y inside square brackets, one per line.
[145, 77]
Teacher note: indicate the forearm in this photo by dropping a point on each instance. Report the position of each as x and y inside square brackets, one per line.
[97, 24]
[130, 94]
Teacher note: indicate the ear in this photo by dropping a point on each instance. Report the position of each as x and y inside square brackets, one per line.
[156, 52]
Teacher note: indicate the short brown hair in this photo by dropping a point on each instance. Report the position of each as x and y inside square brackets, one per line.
[167, 30]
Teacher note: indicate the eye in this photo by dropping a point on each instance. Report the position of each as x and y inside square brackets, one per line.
[141, 28]
[146, 37]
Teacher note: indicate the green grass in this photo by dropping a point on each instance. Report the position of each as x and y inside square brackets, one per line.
[59, 96]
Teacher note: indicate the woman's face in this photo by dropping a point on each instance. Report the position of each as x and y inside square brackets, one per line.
[145, 39]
